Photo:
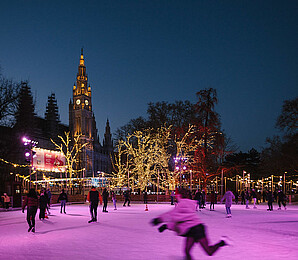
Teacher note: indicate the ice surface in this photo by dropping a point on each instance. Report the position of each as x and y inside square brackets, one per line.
[126, 234]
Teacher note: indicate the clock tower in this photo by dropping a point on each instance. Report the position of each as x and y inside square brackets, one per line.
[81, 116]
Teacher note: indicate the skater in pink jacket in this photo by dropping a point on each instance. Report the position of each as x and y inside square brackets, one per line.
[183, 219]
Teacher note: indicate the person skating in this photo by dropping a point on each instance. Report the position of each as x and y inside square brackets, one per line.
[105, 195]
[247, 198]
[228, 197]
[184, 220]
[198, 198]
[269, 200]
[6, 201]
[145, 197]
[43, 201]
[31, 201]
[63, 199]
[113, 195]
[281, 199]
[254, 197]
[49, 198]
[212, 200]
[94, 198]
[172, 197]
[203, 199]
[126, 198]
[236, 198]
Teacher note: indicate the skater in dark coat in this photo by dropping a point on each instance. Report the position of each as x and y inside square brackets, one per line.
[105, 195]
[270, 200]
[184, 220]
[212, 200]
[145, 196]
[198, 198]
[43, 201]
[31, 201]
[281, 197]
[126, 195]
[94, 197]
[236, 197]
[63, 198]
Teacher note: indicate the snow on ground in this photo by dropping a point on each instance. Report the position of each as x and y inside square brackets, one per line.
[126, 234]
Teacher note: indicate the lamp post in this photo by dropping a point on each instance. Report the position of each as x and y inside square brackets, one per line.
[284, 182]
[29, 154]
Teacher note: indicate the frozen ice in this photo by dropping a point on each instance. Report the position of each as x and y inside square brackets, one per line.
[126, 233]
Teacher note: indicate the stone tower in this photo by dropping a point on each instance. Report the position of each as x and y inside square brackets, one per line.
[81, 117]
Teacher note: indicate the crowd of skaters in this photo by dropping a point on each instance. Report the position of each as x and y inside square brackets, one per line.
[33, 201]
[42, 201]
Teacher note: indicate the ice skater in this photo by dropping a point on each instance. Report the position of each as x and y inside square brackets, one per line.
[229, 196]
[126, 198]
[105, 195]
[172, 197]
[145, 197]
[247, 198]
[94, 197]
[63, 198]
[6, 201]
[281, 199]
[113, 195]
[31, 201]
[43, 201]
[269, 200]
[212, 200]
[254, 197]
[184, 220]
[198, 198]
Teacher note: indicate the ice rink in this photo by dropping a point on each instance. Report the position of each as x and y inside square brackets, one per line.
[126, 234]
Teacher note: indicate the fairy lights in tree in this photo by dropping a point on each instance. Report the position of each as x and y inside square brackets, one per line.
[71, 150]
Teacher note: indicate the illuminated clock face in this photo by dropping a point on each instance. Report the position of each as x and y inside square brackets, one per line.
[86, 102]
[78, 101]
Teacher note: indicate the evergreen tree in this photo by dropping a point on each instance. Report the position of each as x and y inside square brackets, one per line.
[25, 115]
[52, 117]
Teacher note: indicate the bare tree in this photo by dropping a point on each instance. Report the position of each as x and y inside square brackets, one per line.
[9, 92]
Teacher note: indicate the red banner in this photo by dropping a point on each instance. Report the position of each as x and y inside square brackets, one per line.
[47, 160]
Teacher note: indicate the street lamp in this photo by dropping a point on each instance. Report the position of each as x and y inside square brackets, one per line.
[29, 153]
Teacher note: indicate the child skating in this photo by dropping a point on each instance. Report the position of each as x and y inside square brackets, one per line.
[184, 221]
[229, 196]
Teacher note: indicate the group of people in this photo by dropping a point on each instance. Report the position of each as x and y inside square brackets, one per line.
[33, 201]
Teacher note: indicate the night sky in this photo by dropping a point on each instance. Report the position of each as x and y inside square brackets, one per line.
[138, 52]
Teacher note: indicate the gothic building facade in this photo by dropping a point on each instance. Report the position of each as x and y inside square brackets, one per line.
[95, 157]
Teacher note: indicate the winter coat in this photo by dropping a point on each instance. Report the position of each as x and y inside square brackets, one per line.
[269, 197]
[105, 195]
[182, 217]
[62, 196]
[30, 202]
[281, 196]
[229, 196]
[94, 196]
[43, 201]
[212, 197]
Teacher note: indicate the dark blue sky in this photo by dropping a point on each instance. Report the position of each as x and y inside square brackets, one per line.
[147, 51]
